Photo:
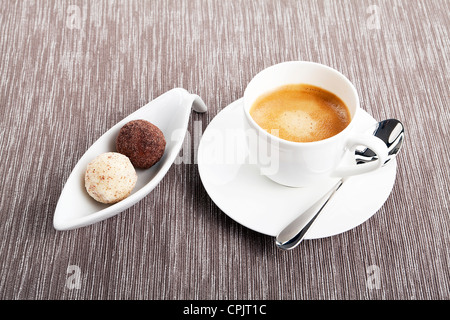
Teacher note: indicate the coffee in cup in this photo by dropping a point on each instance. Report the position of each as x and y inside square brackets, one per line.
[301, 113]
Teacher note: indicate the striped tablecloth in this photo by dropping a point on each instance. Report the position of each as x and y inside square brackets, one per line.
[69, 70]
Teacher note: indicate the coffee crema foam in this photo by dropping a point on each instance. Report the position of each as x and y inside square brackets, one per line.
[301, 113]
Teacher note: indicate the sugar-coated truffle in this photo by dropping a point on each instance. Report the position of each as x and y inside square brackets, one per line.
[110, 177]
[142, 142]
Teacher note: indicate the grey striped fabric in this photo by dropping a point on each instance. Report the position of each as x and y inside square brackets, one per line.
[69, 70]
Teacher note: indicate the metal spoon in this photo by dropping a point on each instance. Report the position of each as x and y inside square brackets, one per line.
[391, 131]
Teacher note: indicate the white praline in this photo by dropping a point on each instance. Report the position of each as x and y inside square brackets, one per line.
[110, 177]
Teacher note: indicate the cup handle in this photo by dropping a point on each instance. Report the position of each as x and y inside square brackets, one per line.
[371, 142]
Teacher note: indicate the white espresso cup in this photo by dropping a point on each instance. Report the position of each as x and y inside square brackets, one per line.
[301, 164]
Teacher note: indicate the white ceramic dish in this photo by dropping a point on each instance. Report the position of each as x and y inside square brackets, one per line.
[262, 205]
[170, 112]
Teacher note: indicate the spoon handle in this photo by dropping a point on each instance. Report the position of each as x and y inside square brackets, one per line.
[295, 232]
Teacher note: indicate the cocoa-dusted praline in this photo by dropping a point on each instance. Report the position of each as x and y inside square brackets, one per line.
[142, 142]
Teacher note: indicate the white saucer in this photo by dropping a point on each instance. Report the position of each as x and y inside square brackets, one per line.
[262, 205]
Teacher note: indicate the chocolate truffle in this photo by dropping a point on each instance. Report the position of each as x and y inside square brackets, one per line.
[110, 177]
[142, 142]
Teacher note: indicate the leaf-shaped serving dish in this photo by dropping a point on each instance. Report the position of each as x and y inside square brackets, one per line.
[170, 112]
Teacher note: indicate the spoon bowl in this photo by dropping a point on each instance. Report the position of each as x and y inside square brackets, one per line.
[170, 112]
[391, 131]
